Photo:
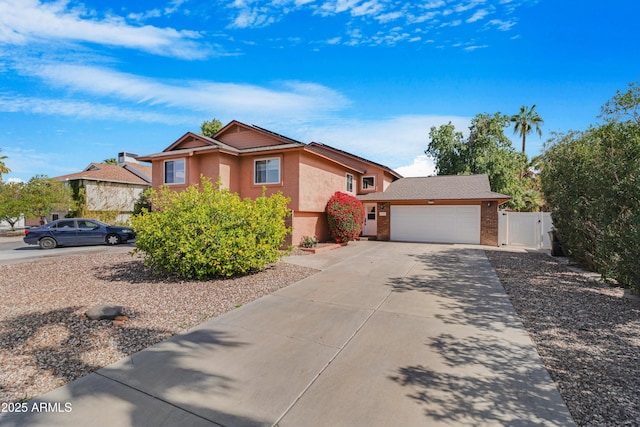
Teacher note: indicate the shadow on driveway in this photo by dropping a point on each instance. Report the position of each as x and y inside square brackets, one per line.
[486, 370]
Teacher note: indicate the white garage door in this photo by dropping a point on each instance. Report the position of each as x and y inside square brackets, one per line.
[438, 224]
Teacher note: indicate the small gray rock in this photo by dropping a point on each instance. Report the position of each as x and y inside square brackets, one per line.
[101, 312]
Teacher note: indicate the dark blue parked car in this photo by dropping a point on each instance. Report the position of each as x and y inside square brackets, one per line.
[76, 232]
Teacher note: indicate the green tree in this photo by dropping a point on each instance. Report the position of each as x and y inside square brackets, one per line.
[486, 151]
[591, 181]
[624, 106]
[3, 168]
[533, 197]
[43, 195]
[210, 128]
[525, 121]
[12, 205]
[448, 149]
[143, 204]
[110, 161]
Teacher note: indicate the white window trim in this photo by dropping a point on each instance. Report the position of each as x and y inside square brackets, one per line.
[164, 172]
[255, 161]
[372, 187]
[352, 181]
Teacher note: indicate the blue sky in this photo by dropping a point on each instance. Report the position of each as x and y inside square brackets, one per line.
[81, 81]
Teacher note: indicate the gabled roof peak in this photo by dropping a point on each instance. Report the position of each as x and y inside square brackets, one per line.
[228, 135]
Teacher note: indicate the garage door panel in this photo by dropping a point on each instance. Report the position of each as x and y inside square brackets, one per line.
[438, 224]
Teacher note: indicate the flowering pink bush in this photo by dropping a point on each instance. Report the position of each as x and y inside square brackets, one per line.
[346, 217]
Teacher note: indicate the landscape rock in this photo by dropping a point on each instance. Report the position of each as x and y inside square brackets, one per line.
[102, 312]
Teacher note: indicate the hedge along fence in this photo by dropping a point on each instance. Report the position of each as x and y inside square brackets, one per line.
[206, 231]
[346, 217]
[591, 181]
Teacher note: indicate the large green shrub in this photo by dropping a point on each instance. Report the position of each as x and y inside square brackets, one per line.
[591, 181]
[346, 217]
[206, 231]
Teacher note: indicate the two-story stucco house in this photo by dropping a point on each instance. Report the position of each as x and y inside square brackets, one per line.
[247, 158]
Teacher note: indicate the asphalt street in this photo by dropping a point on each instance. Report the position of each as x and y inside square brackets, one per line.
[13, 250]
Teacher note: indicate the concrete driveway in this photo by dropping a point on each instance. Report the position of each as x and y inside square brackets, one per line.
[387, 334]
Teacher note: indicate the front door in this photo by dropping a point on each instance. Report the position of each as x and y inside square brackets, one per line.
[370, 220]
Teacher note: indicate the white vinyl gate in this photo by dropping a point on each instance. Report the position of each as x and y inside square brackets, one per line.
[524, 229]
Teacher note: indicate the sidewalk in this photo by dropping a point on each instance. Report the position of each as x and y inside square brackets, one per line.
[387, 334]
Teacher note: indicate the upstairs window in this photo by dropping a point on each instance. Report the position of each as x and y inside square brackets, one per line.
[267, 171]
[349, 183]
[368, 183]
[174, 171]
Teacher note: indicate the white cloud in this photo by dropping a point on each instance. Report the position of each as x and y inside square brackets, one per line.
[23, 162]
[468, 6]
[371, 7]
[454, 23]
[358, 29]
[502, 25]
[253, 18]
[25, 21]
[422, 165]
[475, 47]
[424, 17]
[86, 110]
[287, 98]
[338, 6]
[434, 4]
[477, 16]
[387, 17]
[390, 141]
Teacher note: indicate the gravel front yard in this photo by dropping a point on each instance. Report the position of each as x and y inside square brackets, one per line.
[586, 333]
[44, 342]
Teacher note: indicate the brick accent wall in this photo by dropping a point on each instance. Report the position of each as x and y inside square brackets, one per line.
[384, 221]
[489, 223]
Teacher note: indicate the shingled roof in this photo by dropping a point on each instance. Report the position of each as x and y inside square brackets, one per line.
[128, 173]
[444, 187]
[348, 159]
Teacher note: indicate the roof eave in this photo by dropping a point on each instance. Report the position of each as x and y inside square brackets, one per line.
[381, 198]
[351, 168]
[362, 159]
[90, 178]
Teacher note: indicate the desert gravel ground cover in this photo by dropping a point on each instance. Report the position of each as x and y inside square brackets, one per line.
[586, 332]
[45, 343]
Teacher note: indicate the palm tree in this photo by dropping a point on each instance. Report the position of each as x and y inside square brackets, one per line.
[3, 167]
[525, 122]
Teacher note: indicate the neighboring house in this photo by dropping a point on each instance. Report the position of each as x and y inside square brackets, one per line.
[109, 188]
[445, 209]
[247, 158]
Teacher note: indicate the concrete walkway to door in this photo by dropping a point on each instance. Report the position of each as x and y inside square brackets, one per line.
[387, 334]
